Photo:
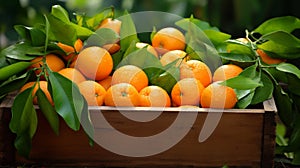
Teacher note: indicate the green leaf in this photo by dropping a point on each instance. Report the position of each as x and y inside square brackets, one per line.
[23, 144]
[284, 106]
[58, 29]
[101, 37]
[59, 12]
[94, 21]
[246, 100]
[165, 78]
[24, 121]
[185, 23]
[128, 31]
[296, 159]
[81, 32]
[67, 99]
[283, 38]
[282, 51]
[22, 51]
[15, 83]
[285, 23]
[264, 92]
[141, 58]
[237, 57]
[238, 48]
[217, 37]
[48, 111]
[241, 83]
[35, 35]
[86, 123]
[288, 68]
[293, 84]
[13, 69]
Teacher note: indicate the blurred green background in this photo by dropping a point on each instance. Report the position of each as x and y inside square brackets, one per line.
[231, 16]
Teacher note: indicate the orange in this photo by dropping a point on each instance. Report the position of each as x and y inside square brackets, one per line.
[171, 56]
[196, 69]
[112, 48]
[130, 74]
[110, 23]
[106, 83]
[71, 52]
[218, 96]
[187, 91]
[225, 72]
[72, 74]
[267, 59]
[93, 92]
[94, 62]
[43, 85]
[52, 60]
[122, 94]
[167, 39]
[150, 49]
[154, 96]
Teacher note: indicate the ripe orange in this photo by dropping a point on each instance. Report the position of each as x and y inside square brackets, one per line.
[150, 49]
[267, 59]
[218, 96]
[167, 39]
[171, 56]
[110, 23]
[72, 74]
[154, 96]
[43, 85]
[106, 83]
[71, 51]
[196, 69]
[112, 48]
[94, 62]
[52, 60]
[122, 94]
[225, 72]
[187, 91]
[130, 74]
[93, 92]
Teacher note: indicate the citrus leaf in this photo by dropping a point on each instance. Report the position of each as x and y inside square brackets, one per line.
[141, 58]
[264, 92]
[24, 121]
[288, 68]
[67, 99]
[58, 29]
[284, 106]
[22, 51]
[285, 23]
[13, 69]
[241, 83]
[48, 111]
[128, 31]
[246, 100]
[101, 37]
[293, 84]
[35, 35]
[23, 144]
[283, 38]
[96, 19]
[59, 12]
[81, 32]
[87, 124]
[282, 51]
[236, 57]
[217, 37]
[15, 83]
[184, 24]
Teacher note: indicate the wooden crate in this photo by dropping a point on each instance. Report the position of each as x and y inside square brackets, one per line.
[242, 138]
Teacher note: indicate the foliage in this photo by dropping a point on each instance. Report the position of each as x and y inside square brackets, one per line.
[257, 83]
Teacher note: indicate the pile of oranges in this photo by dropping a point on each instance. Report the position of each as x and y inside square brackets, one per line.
[91, 69]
